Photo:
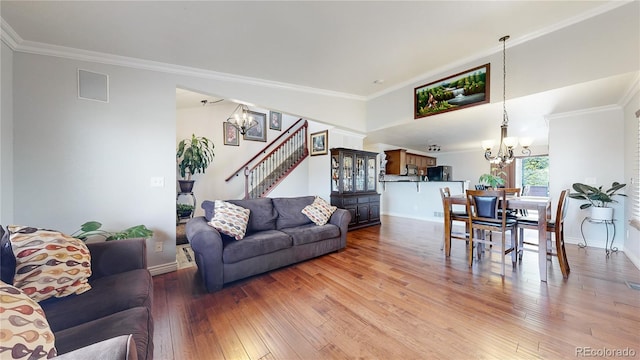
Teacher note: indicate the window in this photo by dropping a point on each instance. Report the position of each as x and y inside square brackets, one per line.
[635, 193]
[532, 175]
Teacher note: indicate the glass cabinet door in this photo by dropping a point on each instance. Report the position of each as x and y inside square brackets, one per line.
[360, 173]
[347, 172]
[371, 173]
[335, 172]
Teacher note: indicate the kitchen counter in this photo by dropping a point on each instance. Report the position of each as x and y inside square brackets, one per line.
[420, 200]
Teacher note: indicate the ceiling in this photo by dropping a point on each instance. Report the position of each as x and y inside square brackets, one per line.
[356, 49]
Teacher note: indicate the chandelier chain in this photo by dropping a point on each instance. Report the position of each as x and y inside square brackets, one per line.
[505, 116]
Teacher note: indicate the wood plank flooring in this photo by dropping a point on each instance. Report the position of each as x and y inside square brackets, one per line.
[392, 294]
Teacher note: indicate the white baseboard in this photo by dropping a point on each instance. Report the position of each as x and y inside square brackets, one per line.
[163, 268]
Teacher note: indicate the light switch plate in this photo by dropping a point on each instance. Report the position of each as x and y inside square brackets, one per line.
[157, 181]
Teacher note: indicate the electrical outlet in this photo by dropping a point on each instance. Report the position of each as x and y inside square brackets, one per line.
[159, 246]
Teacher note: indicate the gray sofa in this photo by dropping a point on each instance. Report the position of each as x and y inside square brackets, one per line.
[99, 321]
[278, 234]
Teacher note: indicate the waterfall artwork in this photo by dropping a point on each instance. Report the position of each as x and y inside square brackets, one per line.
[468, 88]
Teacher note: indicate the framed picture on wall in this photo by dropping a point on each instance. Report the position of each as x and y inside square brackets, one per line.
[231, 134]
[258, 132]
[319, 142]
[275, 120]
[459, 91]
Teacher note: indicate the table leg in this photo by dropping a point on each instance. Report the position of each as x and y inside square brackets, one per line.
[447, 229]
[542, 241]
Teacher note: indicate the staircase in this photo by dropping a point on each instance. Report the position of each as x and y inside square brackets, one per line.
[288, 151]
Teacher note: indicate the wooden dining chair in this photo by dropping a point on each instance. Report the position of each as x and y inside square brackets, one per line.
[482, 207]
[453, 216]
[555, 227]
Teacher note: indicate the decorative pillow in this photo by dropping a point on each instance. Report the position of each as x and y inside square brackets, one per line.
[230, 219]
[319, 211]
[49, 263]
[24, 330]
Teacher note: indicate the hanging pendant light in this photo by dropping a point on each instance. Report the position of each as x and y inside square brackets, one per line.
[241, 119]
[504, 156]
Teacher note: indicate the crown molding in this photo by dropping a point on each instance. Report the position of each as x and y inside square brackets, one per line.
[632, 90]
[9, 36]
[498, 48]
[16, 43]
[582, 112]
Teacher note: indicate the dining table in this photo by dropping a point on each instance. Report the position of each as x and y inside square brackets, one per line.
[541, 204]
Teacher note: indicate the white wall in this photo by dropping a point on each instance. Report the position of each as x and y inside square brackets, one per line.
[6, 136]
[631, 234]
[586, 147]
[78, 160]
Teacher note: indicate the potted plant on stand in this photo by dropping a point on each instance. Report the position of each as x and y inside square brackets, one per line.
[194, 155]
[597, 198]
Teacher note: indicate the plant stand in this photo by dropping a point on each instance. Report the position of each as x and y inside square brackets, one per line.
[193, 198]
[609, 248]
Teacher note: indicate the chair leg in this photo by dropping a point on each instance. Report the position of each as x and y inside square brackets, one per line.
[470, 247]
[514, 244]
[502, 250]
[562, 258]
[564, 252]
[521, 244]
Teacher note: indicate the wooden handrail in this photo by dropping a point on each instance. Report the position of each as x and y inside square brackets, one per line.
[265, 148]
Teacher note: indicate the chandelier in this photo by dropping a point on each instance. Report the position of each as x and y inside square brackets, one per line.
[241, 120]
[504, 155]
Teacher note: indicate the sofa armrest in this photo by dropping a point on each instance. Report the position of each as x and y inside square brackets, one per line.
[117, 256]
[117, 348]
[206, 243]
[341, 219]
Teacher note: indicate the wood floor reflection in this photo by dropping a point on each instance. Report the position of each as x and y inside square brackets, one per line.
[392, 294]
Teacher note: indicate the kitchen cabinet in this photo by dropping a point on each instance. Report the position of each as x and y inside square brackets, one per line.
[397, 161]
[353, 185]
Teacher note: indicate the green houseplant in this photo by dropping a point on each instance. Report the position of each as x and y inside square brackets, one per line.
[193, 155]
[493, 180]
[597, 199]
[92, 228]
[184, 210]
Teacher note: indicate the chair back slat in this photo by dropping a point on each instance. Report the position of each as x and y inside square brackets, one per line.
[483, 205]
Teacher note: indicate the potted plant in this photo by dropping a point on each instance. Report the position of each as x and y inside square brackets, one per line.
[184, 210]
[92, 228]
[194, 155]
[493, 180]
[597, 199]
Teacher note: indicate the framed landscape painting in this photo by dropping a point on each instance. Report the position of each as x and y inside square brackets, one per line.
[258, 132]
[459, 91]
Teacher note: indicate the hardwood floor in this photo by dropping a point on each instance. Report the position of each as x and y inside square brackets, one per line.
[392, 294]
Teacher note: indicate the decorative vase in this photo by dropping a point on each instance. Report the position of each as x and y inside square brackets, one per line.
[186, 186]
[601, 213]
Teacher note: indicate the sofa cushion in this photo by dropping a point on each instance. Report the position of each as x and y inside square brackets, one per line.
[263, 215]
[319, 211]
[290, 211]
[230, 219]
[309, 233]
[24, 330]
[136, 321]
[108, 295]
[257, 244]
[49, 263]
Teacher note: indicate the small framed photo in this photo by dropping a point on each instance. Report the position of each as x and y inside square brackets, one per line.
[275, 120]
[319, 142]
[258, 132]
[231, 134]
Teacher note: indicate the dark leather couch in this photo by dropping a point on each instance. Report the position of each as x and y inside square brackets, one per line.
[278, 234]
[119, 304]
